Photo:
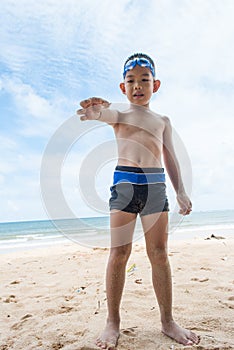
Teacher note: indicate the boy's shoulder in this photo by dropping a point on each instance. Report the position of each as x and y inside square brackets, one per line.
[163, 118]
[166, 119]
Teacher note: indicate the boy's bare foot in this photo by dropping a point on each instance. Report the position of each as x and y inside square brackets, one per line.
[109, 337]
[181, 335]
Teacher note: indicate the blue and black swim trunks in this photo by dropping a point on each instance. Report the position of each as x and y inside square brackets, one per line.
[139, 190]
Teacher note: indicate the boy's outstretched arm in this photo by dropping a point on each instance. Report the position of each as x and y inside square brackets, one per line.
[173, 169]
[96, 108]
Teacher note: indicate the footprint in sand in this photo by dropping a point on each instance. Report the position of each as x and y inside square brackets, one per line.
[210, 323]
[224, 289]
[4, 347]
[68, 297]
[130, 332]
[61, 310]
[229, 305]
[25, 317]
[200, 279]
[52, 272]
[19, 325]
[65, 309]
[10, 299]
[200, 329]
[57, 346]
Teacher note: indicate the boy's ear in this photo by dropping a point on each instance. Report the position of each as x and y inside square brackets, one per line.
[122, 88]
[157, 84]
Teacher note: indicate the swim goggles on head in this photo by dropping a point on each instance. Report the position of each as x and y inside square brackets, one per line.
[142, 62]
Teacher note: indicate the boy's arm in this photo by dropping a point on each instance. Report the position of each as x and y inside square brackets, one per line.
[96, 108]
[173, 169]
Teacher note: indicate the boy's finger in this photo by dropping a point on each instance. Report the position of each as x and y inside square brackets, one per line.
[96, 101]
[106, 104]
[83, 118]
[80, 111]
[99, 101]
[86, 103]
[185, 211]
[92, 101]
[105, 101]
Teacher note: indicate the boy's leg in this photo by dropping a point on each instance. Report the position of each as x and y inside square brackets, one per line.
[156, 236]
[122, 228]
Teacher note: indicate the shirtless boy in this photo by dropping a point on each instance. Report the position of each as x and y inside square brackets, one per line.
[143, 138]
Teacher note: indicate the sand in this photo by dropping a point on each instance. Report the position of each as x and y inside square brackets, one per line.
[54, 298]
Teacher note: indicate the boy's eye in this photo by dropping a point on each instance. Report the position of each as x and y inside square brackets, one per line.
[130, 81]
[145, 79]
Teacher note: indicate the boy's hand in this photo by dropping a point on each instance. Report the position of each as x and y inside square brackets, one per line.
[91, 108]
[184, 203]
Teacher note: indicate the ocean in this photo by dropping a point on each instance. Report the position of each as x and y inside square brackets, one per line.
[94, 231]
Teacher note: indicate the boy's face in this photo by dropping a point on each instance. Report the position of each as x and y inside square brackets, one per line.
[139, 85]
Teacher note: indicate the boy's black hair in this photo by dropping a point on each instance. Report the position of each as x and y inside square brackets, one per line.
[140, 55]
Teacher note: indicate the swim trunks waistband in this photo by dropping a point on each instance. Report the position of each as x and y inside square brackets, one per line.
[138, 176]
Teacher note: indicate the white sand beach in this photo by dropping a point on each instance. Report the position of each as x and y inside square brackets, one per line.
[54, 298]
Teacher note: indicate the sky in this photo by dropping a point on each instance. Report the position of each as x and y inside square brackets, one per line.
[55, 53]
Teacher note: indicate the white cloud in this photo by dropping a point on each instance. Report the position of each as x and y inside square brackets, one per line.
[8, 143]
[38, 115]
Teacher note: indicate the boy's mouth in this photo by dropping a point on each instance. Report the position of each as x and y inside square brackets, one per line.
[137, 95]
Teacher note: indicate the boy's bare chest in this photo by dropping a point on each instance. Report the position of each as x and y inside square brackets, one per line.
[134, 129]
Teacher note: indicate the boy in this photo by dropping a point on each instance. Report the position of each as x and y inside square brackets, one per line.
[139, 188]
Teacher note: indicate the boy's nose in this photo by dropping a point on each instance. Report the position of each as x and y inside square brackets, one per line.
[137, 86]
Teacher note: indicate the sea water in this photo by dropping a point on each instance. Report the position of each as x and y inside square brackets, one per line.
[94, 231]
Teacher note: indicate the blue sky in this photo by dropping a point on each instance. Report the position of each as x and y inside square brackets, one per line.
[55, 53]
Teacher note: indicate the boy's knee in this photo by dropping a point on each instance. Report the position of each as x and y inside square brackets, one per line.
[158, 255]
[120, 254]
